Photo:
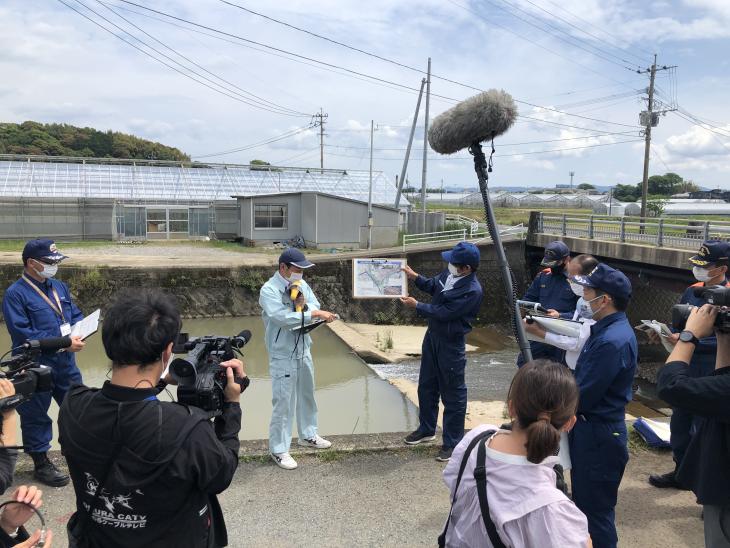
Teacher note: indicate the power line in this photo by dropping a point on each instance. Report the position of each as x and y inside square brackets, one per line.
[234, 97]
[440, 159]
[602, 56]
[584, 31]
[281, 137]
[358, 73]
[255, 97]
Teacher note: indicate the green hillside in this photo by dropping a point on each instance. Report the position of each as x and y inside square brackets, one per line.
[67, 140]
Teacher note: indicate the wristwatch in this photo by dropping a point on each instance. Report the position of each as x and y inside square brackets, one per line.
[688, 337]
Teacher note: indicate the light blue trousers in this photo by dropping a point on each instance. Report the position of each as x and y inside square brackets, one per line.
[292, 386]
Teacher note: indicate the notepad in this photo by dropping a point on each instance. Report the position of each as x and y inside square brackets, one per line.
[87, 326]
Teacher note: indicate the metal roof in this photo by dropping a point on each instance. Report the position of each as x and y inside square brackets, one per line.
[146, 180]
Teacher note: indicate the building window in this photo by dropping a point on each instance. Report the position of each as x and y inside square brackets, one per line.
[269, 216]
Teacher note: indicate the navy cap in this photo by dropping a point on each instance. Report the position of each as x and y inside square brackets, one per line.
[463, 253]
[712, 252]
[42, 249]
[607, 279]
[554, 253]
[292, 256]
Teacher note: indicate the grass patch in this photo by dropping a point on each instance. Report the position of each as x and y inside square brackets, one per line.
[330, 455]
[425, 449]
[258, 459]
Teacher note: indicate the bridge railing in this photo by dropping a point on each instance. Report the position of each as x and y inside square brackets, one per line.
[661, 232]
[476, 232]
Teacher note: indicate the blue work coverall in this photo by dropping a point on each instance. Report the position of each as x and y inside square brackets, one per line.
[552, 291]
[443, 358]
[28, 316]
[598, 442]
[683, 423]
[290, 362]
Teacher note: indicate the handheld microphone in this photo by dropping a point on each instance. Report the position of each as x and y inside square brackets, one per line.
[477, 119]
[294, 292]
[50, 344]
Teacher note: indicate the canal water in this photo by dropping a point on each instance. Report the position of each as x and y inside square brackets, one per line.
[350, 396]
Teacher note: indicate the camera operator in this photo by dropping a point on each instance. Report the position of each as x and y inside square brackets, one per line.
[13, 516]
[705, 468]
[146, 472]
[37, 307]
[710, 267]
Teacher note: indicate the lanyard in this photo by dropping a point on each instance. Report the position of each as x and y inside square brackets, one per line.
[57, 309]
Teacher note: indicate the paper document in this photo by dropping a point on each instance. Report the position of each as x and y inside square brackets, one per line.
[569, 328]
[87, 326]
[660, 329]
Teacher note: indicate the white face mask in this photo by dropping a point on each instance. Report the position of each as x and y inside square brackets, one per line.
[49, 271]
[701, 274]
[590, 313]
[295, 276]
[577, 289]
[453, 270]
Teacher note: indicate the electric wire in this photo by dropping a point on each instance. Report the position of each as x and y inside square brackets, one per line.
[286, 135]
[123, 39]
[358, 73]
[245, 92]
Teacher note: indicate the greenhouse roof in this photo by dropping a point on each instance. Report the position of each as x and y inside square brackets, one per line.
[149, 180]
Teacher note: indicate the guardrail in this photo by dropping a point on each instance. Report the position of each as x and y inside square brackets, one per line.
[661, 232]
[462, 234]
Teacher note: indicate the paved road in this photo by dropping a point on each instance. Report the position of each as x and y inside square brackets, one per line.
[396, 498]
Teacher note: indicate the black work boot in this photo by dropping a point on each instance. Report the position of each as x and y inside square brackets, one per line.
[666, 481]
[46, 472]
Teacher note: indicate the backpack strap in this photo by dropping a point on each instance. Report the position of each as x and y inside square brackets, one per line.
[479, 437]
[480, 475]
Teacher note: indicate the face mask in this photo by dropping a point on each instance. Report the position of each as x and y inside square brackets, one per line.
[49, 271]
[577, 289]
[590, 312]
[295, 276]
[701, 274]
[453, 270]
[584, 311]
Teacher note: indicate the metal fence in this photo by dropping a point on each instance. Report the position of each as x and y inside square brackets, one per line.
[474, 232]
[660, 232]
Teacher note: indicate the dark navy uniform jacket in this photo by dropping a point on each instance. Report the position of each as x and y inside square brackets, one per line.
[28, 316]
[450, 312]
[552, 291]
[605, 369]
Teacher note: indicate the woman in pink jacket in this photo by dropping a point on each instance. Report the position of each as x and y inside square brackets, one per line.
[502, 482]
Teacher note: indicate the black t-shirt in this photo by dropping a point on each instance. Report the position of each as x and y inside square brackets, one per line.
[146, 472]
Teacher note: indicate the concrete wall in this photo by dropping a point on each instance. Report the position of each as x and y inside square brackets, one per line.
[434, 222]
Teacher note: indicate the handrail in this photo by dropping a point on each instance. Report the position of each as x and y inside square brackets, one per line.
[659, 231]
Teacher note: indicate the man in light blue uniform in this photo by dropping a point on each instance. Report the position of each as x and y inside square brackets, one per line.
[604, 374]
[290, 359]
[39, 307]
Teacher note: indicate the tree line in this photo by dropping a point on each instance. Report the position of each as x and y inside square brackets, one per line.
[660, 186]
[34, 138]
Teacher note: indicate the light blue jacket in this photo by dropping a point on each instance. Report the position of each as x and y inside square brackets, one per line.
[279, 319]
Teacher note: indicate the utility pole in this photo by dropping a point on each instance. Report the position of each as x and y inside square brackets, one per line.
[425, 148]
[410, 142]
[322, 116]
[572, 173]
[649, 119]
[370, 191]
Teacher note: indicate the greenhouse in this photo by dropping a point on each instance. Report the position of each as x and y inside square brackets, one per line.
[77, 198]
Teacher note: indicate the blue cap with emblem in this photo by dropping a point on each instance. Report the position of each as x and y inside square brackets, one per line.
[712, 252]
[42, 249]
[607, 279]
[292, 256]
[463, 253]
[554, 253]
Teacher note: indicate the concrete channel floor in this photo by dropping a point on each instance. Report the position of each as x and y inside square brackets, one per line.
[393, 498]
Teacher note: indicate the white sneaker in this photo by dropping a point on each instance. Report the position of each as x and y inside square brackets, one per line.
[284, 460]
[317, 442]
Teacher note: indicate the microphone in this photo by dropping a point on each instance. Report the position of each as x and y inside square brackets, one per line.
[477, 119]
[51, 344]
[245, 335]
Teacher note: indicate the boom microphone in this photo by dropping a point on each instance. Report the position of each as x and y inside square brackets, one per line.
[50, 344]
[474, 120]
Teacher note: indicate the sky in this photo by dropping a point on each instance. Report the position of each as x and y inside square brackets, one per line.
[570, 65]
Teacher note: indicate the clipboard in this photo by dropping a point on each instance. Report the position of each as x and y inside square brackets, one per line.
[308, 327]
[87, 326]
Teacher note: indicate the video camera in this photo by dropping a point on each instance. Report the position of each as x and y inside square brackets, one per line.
[201, 379]
[715, 295]
[26, 374]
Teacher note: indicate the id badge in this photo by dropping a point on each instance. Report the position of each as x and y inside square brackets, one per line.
[65, 329]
